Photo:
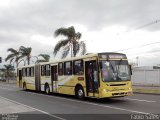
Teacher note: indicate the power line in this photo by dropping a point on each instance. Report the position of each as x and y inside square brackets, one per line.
[148, 24]
[137, 46]
[140, 27]
[145, 25]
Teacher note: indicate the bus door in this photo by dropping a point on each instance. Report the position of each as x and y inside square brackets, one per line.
[91, 76]
[37, 78]
[20, 78]
[54, 78]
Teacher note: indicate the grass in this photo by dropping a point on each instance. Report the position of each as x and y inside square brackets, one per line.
[145, 90]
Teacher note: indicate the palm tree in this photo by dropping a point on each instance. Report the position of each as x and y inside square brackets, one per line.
[71, 43]
[13, 56]
[25, 52]
[8, 71]
[45, 57]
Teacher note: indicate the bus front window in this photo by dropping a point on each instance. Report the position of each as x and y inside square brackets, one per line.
[115, 70]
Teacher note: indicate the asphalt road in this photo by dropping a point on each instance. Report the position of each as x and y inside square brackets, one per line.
[61, 107]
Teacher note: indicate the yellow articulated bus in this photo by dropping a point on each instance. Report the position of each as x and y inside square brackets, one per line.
[100, 75]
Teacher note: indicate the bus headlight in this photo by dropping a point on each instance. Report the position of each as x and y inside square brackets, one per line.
[129, 88]
[105, 90]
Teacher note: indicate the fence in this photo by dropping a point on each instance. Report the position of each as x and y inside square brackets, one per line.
[146, 76]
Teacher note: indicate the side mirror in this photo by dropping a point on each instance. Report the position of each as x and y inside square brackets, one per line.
[130, 68]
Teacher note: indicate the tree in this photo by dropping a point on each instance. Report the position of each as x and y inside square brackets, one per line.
[13, 56]
[25, 52]
[71, 43]
[45, 57]
[8, 71]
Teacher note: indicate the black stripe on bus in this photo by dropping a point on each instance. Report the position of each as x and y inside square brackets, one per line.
[66, 85]
[70, 86]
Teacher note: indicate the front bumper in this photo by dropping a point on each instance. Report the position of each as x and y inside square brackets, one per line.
[105, 94]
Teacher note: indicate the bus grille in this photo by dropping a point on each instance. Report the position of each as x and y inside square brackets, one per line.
[119, 94]
[117, 84]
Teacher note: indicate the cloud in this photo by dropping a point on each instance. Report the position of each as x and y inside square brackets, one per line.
[42, 16]
[102, 23]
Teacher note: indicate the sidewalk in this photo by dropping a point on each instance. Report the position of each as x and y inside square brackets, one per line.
[10, 82]
[9, 107]
[147, 89]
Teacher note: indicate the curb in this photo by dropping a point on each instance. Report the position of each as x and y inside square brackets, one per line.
[146, 91]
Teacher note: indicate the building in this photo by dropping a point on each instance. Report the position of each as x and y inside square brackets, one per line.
[147, 75]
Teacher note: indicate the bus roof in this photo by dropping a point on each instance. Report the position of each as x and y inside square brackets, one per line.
[74, 58]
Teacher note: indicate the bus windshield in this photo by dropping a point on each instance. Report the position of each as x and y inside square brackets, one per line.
[115, 70]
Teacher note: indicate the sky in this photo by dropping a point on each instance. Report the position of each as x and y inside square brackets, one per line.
[126, 26]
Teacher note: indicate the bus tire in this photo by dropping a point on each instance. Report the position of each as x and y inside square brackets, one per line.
[47, 89]
[79, 92]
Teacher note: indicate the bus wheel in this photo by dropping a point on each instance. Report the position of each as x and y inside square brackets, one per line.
[47, 89]
[80, 93]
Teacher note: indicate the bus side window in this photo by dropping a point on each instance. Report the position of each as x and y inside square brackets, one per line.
[28, 72]
[78, 67]
[60, 69]
[68, 68]
[47, 70]
[25, 71]
[42, 70]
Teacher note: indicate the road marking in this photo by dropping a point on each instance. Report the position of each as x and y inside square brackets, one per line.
[106, 106]
[6, 89]
[139, 100]
[54, 116]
